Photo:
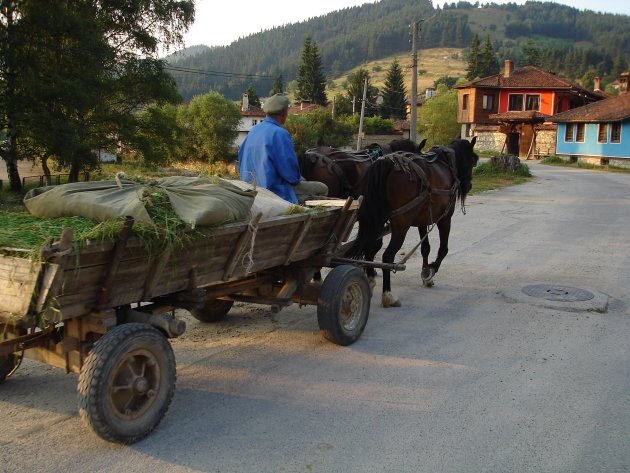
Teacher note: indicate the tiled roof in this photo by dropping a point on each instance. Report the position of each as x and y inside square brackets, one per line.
[530, 77]
[306, 108]
[253, 111]
[610, 109]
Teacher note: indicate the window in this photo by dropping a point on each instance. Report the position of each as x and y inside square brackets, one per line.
[532, 102]
[579, 135]
[515, 103]
[615, 132]
[488, 102]
[465, 102]
[568, 132]
[254, 122]
[602, 134]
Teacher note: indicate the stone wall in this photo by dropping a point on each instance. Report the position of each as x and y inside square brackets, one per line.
[545, 142]
[489, 138]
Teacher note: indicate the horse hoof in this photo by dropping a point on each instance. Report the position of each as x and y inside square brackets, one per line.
[427, 273]
[427, 283]
[388, 300]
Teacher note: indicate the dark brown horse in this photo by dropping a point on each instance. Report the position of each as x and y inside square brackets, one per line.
[412, 191]
[343, 171]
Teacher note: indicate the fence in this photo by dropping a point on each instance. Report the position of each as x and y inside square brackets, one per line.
[40, 181]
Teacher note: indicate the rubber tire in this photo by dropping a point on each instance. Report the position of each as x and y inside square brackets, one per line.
[105, 365]
[330, 307]
[215, 310]
[7, 363]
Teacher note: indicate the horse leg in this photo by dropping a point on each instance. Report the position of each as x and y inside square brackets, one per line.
[444, 228]
[395, 243]
[425, 248]
[370, 253]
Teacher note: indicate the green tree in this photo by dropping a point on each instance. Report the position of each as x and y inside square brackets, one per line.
[159, 136]
[394, 92]
[311, 82]
[532, 54]
[354, 90]
[213, 122]
[448, 81]
[252, 97]
[342, 105]
[317, 128]
[472, 72]
[438, 117]
[278, 86]
[488, 64]
[82, 73]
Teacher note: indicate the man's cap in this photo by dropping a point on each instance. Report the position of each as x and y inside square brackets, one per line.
[276, 104]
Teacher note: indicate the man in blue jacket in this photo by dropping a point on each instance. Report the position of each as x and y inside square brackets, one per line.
[267, 157]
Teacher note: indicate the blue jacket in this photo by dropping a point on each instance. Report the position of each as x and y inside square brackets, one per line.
[267, 158]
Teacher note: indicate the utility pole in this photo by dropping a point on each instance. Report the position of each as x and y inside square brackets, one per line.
[413, 120]
[360, 134]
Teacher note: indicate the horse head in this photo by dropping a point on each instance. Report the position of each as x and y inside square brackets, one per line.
[465, 160]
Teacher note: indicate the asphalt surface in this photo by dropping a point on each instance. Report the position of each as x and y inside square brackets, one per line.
[472, 375]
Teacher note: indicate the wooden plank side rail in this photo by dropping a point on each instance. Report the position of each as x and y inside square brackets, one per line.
[306, 225]
[243, 242]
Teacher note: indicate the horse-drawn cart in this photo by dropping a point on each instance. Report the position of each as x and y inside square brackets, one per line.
[104, 310]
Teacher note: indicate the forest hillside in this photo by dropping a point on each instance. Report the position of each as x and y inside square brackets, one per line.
[577, 44]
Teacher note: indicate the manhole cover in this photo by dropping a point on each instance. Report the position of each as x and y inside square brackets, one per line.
[553, 292]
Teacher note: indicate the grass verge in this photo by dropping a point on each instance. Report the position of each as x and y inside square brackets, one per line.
[488, 176]
[557, 161]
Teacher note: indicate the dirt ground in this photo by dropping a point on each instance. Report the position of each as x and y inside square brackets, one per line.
[25, 168]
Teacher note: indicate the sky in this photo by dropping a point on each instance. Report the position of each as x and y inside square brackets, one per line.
[219, 24]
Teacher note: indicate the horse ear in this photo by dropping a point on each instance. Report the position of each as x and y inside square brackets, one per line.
[473, 141]
[421, 145]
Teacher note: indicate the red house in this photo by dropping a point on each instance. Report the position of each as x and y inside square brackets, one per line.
[508, 111]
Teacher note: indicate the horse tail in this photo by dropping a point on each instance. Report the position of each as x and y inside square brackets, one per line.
[375, 209]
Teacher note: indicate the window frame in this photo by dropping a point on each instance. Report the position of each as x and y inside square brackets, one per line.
[488, 101]
[615, 132]
[465, 101]
[569, 129]
[580, 132]
[536, 98]
[602, 127]
[511, 99]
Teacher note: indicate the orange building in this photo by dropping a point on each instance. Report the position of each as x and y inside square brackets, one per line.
[515, 105]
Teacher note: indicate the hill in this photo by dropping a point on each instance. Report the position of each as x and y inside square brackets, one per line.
[564, 39]
[432, 63]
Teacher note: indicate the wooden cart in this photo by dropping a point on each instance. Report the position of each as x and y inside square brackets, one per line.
[105, 310]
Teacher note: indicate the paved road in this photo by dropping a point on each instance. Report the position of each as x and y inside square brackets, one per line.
[470, 376]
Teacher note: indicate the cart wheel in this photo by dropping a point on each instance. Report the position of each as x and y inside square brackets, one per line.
[344, 305]
[213, 311]
[7, 365]
[127, 383]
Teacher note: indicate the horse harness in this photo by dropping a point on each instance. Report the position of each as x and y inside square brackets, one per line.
[413, 164]
[315, 156]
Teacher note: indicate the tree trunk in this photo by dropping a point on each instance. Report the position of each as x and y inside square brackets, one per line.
[46, 170]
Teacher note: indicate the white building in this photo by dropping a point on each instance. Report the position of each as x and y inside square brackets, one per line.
[251, 116]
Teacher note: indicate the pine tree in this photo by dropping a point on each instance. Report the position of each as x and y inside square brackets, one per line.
[487, 64]
[473, 60]
[394, 103]
[356, 82]
[311, 81]
[532, 55]
[278, 86]
[252, 97]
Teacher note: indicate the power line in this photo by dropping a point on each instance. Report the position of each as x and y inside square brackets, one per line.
[234, 75]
